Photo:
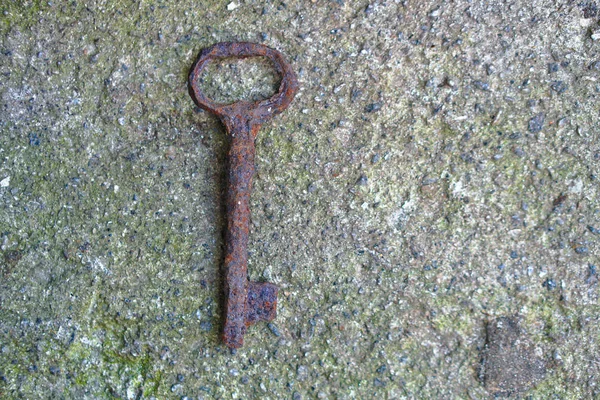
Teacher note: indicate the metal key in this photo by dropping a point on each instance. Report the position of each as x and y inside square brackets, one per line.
[245, 302]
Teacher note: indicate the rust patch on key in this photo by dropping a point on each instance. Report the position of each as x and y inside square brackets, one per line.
[245, 302]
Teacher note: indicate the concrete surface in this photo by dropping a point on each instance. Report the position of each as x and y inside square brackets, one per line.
[428, 204]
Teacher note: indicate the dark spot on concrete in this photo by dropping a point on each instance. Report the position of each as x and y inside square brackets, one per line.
[559, 200]
[509, 363]
[11, 258]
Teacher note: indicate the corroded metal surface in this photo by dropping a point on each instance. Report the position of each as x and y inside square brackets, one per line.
[245, 302]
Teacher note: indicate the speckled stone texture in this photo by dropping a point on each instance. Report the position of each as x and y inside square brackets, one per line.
[438, 173]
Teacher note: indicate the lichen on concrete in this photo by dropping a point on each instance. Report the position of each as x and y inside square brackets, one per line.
[437, 173]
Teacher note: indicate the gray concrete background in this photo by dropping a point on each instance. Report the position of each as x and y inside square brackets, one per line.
[428, 204]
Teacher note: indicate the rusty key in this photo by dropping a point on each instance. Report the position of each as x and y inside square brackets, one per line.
[245, 302]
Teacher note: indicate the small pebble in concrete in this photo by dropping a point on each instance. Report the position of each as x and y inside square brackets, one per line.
[481, 85]
[558, 86]
[549, 284]
[373, 107]
[273, 328]
[362, 181]
[518, 151]
[378, 383]
[581, 250]
[536, 123]
[552, 67]
[34, 139]
[301, 372]
[206, 326]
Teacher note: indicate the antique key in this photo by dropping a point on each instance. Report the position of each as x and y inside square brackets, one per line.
[245, 302]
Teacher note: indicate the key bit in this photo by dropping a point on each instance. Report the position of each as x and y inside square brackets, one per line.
[245, 302]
